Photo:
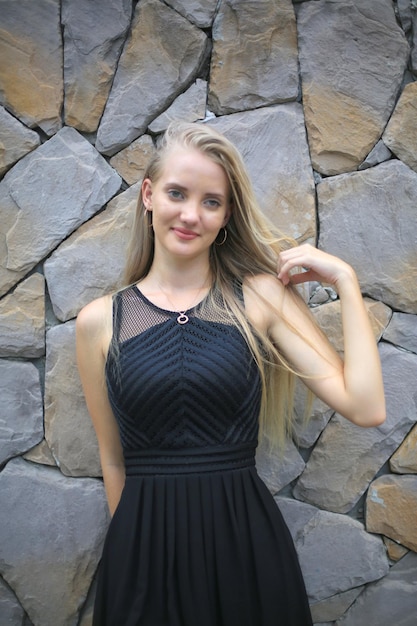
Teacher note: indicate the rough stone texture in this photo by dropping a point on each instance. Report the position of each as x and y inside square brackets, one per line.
[405, 15]
[334, 607]
[306, 432]
[21, 410]
[402, 331]
[390, 601]
[132, 161]
[413, 59]
[364, 53]
[31, 62]
[254, 59]
[190, 106]
[347, 457]
[86, 616]
[332, 566]
[50, 571]
[284, 187]
[41, 453]
[395, 550]
[22, 319]
[36, 214]
[68, 428]
[391, 509]
[15, 140]
[380, 202]
[93, 34]
[161, 57]
[404, 460]
[198, 12]
[320, 294]
[352, 59]
[309, 426]
[103, 238]
[11, 612]
[328, 316]
[400, 135]
[378, 154]
[278, 469]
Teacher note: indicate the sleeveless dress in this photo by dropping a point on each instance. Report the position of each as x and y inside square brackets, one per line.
[197, 539]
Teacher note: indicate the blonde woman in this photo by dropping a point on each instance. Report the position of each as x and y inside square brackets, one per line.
[184, 369]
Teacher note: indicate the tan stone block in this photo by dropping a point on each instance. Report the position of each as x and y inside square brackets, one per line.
[86, 96]
[394, 549]
[31, 62]
[341, 129]
[22, 319]
[401, 132]
[40, 454]
[391, 509]
[349, 89]
[132, 161]
[404, 460]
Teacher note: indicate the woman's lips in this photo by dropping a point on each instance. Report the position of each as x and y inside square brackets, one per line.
[183, 233]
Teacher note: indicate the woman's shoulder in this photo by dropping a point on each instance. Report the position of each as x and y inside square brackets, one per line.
[264, 286]
[95, 317]
[263, 294]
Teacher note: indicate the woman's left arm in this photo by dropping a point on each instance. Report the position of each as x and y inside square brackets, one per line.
[354, 386]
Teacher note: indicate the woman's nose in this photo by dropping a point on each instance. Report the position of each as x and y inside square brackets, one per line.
[189, 211]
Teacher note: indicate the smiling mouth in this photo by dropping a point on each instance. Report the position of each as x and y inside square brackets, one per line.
[183, 233]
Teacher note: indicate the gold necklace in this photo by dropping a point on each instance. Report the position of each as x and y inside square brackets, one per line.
[182, 315]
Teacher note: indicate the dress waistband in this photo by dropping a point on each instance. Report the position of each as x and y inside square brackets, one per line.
[189, 460]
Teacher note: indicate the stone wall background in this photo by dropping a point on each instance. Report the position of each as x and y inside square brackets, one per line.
[321, 98]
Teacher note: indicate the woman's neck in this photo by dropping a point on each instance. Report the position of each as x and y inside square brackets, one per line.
[178, 286]
[179, 277]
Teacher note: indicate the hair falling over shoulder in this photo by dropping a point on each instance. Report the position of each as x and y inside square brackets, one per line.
[251, 248]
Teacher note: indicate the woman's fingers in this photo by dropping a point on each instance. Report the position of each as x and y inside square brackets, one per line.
[306, 263]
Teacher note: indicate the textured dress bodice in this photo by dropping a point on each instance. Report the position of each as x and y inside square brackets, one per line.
[196, 538]
[177, 385]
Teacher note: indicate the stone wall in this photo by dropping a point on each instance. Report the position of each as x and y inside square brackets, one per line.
[321, 97]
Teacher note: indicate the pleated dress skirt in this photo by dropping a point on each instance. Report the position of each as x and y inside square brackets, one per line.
[197, 540]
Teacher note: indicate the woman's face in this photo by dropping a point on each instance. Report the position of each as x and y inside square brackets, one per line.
[190, 203]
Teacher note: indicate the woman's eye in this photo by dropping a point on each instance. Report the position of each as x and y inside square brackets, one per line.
[212, 203]
[175, 194]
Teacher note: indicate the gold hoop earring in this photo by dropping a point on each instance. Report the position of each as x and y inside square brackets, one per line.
[220, 243]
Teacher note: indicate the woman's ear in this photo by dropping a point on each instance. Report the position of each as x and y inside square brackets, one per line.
[147, 194]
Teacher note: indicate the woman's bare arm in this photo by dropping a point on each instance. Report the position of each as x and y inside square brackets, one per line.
[353, 386]
[93, 334]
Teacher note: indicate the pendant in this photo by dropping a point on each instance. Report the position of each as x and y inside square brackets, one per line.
[182, 318]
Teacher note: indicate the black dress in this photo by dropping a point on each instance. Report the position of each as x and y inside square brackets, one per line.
[197, 539]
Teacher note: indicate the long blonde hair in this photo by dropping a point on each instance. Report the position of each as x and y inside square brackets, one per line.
[252, 247]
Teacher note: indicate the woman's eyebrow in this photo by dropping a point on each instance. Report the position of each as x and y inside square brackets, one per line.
[175, 184]
[215, 194]
[211, 194]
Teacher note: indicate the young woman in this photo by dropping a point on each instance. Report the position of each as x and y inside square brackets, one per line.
[183, 369]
